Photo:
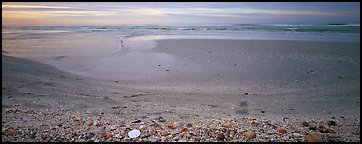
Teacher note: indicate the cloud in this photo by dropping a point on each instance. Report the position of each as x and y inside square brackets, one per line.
[185, 11]
[34, 6]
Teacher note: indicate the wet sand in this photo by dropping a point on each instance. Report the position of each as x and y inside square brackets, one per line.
[192, 80]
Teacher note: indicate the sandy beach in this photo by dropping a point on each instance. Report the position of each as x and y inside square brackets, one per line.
[211, 87]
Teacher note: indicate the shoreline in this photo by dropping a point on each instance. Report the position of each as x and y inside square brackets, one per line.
[234, 93]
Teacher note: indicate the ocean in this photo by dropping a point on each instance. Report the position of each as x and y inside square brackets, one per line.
[349, 32]
[60, 45]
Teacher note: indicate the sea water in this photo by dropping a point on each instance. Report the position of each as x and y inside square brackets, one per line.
[74, 48]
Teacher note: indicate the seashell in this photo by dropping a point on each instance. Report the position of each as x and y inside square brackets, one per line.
[297, 135]
[253, 122]
[89, 123]
[228, 124]
[356, 131]
[281, 130]
[232, 132]
[183, 129]
[134, 133]
[142, 127]
[212, 126]
[136, 121]
[101, 128]
[108, 135]
[314, 137]
[171, 126]
[286, 138]
[103, 134]
[113, 127]
[220, 136]
[250, 134]
[164, 133]
[331, 131]
[320, 126]
[152, 139]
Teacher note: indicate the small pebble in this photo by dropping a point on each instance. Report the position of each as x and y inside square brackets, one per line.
[305, 124]
[332, 123]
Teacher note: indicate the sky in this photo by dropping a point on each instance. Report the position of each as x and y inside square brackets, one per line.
[143, 13]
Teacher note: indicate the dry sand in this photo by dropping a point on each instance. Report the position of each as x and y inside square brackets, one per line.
[191, 80]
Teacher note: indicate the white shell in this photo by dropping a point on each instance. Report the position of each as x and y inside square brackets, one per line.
[296, 135]
[134, 133]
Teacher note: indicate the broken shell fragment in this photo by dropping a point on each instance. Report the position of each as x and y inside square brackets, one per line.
[171, 126]
[314, 137]
[183, 129]
[228, 124]
[250, 134]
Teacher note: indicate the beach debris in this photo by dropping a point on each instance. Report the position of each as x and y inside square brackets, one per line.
[250, 134]
[134, 133]
[314, 137]
[246, 93]
[167, 70]
[188, 125]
